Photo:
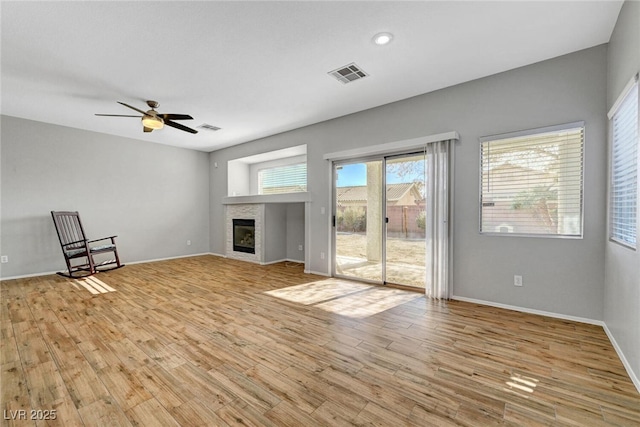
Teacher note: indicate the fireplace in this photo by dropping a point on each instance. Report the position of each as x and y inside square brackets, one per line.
[244, 235]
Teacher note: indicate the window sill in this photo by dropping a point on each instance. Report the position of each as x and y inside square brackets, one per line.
[622, 244]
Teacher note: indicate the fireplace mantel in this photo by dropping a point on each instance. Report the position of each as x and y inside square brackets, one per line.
[267, 198]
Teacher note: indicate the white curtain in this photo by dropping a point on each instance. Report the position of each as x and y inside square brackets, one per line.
[437, 219]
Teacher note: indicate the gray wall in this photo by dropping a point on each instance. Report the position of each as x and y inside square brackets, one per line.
[154, 197]
[275, 232]
[622, 265]
[295, 231]
[560, 276]
[284, 231]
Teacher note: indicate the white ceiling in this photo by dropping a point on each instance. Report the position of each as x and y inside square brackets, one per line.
[259, 68]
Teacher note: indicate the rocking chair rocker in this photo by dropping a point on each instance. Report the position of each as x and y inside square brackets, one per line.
[75, 245]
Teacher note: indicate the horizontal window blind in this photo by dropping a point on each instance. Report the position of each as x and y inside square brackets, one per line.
[532, 182]
[624, 170]
[283, 179]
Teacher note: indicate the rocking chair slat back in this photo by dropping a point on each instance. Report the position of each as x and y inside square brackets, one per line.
[70, 229]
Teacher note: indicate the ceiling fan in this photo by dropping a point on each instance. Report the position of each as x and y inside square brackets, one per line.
[152, 120]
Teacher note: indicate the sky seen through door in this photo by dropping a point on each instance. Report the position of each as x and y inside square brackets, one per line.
[355, 174]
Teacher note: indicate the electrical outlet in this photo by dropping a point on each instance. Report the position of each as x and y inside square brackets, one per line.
[188, 242]
[299, 247]
[517, 280]
[4, 259]
[321, 255]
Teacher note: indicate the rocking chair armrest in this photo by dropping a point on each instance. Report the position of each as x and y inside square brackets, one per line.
[75, 243]
[104, 238]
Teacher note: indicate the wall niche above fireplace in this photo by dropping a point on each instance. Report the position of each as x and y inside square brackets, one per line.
[268, 174]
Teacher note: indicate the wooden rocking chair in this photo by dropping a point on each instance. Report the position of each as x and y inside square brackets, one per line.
[75, 246]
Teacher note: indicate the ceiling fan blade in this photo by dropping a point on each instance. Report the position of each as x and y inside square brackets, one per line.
[146, 129]
[175, 116]
[116, 115]
[179, 126]
[144, 113]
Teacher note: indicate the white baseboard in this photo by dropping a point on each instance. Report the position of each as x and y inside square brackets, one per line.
[317, 273]
[168, 258]
[625, 362]
[282, 260]
[623, 359]
[530, 310]
[25, 276]
[47, 273]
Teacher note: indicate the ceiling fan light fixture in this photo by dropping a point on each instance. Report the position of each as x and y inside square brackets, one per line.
[152, 122]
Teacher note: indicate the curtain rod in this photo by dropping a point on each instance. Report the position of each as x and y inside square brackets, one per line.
[389, 147]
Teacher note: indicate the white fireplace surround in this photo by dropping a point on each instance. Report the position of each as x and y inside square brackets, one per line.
[248, 211]
[279, 231]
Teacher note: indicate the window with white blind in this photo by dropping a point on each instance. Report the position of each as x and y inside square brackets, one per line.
[532, 182]
[624, 167]
[283, 179]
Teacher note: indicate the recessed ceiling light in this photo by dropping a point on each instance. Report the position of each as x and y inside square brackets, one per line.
[382, 38]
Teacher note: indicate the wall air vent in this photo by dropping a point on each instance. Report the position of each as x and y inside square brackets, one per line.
[209, 127]
[348, 73]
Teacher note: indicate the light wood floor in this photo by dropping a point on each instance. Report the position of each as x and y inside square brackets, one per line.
[216, 342]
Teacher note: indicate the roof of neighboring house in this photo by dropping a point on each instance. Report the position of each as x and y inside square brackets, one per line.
[359, 193]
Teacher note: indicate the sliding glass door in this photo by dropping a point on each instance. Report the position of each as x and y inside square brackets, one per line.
[405, 226]
[358, 238]
[379, 220]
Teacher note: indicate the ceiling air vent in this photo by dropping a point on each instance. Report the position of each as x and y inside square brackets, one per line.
[209, 127]
[348, 73]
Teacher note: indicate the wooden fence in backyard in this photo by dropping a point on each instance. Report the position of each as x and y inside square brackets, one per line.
[403, 220]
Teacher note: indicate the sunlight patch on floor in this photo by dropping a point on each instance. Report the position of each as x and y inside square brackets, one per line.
[522, 383]
[315, 292]
[368, 303]
[345, 297]
[93, 285]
